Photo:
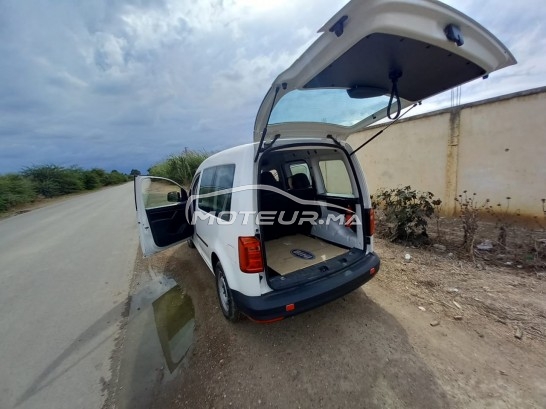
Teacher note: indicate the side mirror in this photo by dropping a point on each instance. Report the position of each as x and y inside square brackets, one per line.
[174, 197]
[177, 197]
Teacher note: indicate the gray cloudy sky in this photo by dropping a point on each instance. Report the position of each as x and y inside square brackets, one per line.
[122, 84]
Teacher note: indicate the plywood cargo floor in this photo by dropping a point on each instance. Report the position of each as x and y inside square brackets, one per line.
[291, 253]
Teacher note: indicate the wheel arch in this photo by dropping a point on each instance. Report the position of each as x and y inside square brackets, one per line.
[214, 260]
[248, 284]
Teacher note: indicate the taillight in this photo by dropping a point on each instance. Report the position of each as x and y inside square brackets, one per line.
[370, 216]
[250, 255]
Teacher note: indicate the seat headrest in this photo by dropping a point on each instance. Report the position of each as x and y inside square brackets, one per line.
[267, 178]
[300, 181]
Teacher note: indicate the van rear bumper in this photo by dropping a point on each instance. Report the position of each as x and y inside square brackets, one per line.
[273, 305]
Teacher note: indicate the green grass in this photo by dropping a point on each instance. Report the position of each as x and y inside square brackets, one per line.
[180, 168]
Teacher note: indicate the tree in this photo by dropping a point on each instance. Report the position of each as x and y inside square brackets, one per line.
[115, 178]
[135, 172]
[91, 180]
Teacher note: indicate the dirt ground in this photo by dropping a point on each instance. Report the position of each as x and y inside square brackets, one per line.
[428, 332]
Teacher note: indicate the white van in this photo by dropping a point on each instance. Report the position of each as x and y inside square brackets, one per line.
[285, 223]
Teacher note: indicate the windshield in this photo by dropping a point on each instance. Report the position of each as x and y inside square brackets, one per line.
[333, 106]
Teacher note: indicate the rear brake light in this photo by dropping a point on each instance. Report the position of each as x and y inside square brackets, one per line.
[250, 255]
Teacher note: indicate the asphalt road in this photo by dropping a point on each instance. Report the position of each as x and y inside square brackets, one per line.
[64, 279]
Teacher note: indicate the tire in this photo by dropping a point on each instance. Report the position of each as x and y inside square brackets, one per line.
[191, 244]
[225, 297]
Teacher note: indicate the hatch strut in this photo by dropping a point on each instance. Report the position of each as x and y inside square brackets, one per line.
[264, 132]
[384, 129]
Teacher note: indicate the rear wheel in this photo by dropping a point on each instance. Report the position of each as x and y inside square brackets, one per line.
[191, 244]
[225, 297]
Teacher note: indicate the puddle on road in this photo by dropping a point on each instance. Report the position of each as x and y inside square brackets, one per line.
[159, 334]
[174, 319]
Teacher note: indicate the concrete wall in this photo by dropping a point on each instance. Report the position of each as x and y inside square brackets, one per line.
[495, 148]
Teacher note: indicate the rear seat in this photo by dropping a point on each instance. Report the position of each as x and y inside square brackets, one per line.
[273, 201]
[302, 189]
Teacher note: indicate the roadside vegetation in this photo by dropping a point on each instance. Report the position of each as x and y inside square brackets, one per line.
[406, 212]
[484, 232]
[35, 183]
[48, 181]
[180, 168]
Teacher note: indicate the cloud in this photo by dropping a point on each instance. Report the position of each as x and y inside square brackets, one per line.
[110, 51]
[519, 25]
[125, 84]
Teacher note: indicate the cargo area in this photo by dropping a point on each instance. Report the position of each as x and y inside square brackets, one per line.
[311, 191]
[294, 252]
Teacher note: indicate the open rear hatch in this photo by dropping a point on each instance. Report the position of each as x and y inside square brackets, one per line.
[374, 57]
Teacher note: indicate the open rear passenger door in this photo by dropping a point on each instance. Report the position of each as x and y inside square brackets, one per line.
[160, 205]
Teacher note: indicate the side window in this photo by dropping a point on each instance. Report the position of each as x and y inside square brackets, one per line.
[159, 192]
[274, 172]
[223, 181]
[206, 202]
[335, 176]
[216, 179]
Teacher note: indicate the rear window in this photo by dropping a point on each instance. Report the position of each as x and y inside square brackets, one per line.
[299, 167]
[333, 106]
[336, 177]
[296, 168]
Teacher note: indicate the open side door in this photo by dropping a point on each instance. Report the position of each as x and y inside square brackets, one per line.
[160, 205]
